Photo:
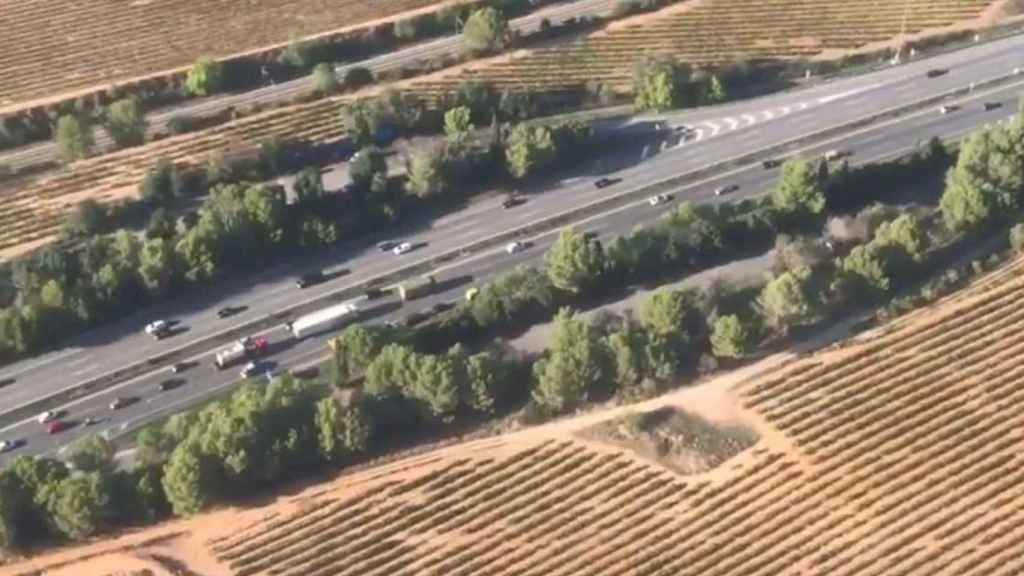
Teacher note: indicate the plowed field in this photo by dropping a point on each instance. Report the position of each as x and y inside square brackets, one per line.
[716, 32]
[51, 47]
[899, 453]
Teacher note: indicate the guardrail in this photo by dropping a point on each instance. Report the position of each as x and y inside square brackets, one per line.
[423, 266]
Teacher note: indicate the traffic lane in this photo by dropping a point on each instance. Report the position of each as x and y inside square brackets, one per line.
[659, 166]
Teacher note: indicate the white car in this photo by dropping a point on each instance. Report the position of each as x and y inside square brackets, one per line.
[658, 200]
[48, 416]
[515, 247]
[250, 369]
[943, 109]
[157, 328]
[6, 446]
[402, 248]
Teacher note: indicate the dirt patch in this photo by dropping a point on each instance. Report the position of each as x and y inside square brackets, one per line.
[675, 438]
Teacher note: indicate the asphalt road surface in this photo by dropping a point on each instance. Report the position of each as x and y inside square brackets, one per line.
[741, 128]
[284, 91]
[203, 381]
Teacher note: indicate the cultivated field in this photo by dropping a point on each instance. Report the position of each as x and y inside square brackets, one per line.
[51, 47]
[899, 453]
[30, 215]
[711, 32]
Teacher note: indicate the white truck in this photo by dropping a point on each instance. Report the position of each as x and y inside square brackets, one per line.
[244, 348]
[324, 320]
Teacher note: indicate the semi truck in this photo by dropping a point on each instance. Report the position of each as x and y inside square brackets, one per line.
[323, 320]
[417, 288]
[245, 348]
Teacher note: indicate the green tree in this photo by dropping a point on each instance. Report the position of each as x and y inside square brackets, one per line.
[573, 262]
[730, 338]
[79, 504]
[486, 30]
[863, 273]
[93, 453]
[298, 54]
[153, 446]
[784, 301]
[392, 372]
[529, 149]
[799, 194]
[904, 233]
[161, 225]
[162, 183]
[576, 365]
[126, 122]
[88, 219]
[158, 265]
[658, 84]
[74, 138]
[487, 380]
[716, 93]
[51, 295]
[427, 172]
[670, 313]
[437, 385]
[342, 430]
[204, 77]
[325, 79]
[353, 350]
[457, 124]
[367, 164]
[308, 185]
[1017, 238]
[187, 481]
[357, 77]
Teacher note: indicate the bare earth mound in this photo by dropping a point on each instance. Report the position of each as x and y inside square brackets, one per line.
[899, 453]
[54, 47]
[675, 438]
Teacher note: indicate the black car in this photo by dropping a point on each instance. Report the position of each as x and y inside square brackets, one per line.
[935, 72]
[170, 384]
[604, 183]
[512, 202]
[6, 382]
[387, 245]
[310, 279]
[772, 163]
[373, 293]
[227, 311]
[992, 105]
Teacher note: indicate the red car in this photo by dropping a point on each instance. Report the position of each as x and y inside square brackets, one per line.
[56, 427]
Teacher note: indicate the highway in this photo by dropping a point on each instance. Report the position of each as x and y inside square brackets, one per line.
[203, 381]
[808, 110]
[418, 53]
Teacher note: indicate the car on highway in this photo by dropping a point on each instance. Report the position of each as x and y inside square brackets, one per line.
[512, 201]
[771, 163]
[7, 446]
[515, 247]
[48, 416]
[604, 183]
[90, 421]
[227, 312]
[120, 402]
[727, 189]
[310, 279]
[659, 199]
[169, 384]
[948, 108]
[6, 382]
[387, 245]
[57, 426]
[935, 72]
[158, 328]
[836, 154]
[992, 106]
[252, 368]
[179, 367]
[402, 248]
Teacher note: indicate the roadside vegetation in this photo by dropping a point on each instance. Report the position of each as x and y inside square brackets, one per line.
[839, 253]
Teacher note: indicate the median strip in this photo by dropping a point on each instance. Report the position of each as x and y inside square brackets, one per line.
[428, 264]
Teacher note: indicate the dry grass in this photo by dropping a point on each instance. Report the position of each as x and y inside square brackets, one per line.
[898, 453]
[50, 48]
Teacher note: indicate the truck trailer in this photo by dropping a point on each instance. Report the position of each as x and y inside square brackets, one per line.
[324, 320]
[245, 348]
[417, 288]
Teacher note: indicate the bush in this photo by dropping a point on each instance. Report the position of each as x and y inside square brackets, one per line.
[325, 79]
[485, 31]
[358, 76]
[205, 77]
[74, 138]
[88, 219]
[126, 123]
